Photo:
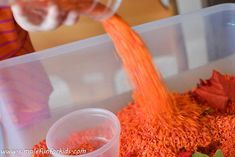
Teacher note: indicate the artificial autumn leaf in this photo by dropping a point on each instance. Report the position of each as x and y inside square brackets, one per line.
[197, 154]
[218, 91]
[211, 148]
[185, 154]
[219, 153]
[130, 154]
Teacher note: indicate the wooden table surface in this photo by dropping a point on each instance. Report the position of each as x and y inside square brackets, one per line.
[135, 12]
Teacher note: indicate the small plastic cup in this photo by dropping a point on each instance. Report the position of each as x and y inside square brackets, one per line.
[111, 8]
[88, 132]
[54, 16]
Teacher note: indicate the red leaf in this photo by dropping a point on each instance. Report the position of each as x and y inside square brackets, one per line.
[185, 154]
[218, 91]
[130, 154]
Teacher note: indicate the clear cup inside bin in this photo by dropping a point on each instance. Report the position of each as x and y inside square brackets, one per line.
[88, 132]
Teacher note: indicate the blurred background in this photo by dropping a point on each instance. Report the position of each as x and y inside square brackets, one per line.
[135, 12]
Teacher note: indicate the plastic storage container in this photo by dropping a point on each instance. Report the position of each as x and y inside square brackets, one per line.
[88, 73]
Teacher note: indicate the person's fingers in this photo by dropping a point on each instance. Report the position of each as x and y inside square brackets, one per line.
[36, 16]
[71, 18]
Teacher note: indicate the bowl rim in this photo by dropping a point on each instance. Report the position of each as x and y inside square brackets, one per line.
[92, 111]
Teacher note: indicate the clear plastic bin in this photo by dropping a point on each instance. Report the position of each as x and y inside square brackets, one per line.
[88, 73]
